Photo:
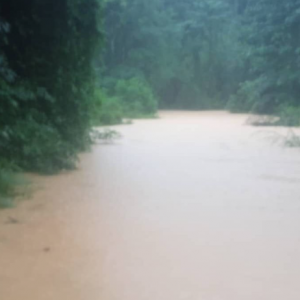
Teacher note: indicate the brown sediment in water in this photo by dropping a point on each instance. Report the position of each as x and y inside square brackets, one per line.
[194, 205]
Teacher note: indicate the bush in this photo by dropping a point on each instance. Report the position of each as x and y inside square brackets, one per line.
[8, 183]
[246, 98]
[257, 96]
[289, 115]
[107, 110]
[35, 146]
[137, 97]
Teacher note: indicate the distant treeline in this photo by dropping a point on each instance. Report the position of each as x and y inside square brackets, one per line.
[207, 54]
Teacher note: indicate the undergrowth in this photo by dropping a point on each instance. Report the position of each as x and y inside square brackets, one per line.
[12, 184]
[124, 99]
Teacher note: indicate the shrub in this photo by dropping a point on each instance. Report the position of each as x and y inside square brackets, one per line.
[137, 97]
[8, 183]
[36, 146]
[246, 98]
[107, 110]
[258, 96]
[289, 115]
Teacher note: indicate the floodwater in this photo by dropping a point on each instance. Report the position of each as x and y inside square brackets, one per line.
[190, 206]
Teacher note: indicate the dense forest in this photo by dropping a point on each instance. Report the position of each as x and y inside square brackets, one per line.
[47, 83]
[70, 64]
[240, 55]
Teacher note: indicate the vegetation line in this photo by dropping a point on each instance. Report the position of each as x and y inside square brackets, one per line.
[69, 65]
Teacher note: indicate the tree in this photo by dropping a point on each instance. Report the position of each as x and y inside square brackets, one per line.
[44, 111]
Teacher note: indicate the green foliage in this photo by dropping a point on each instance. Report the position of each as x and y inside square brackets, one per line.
[242, 55]
[7, 186]
[185, 50]
[272, 45]
[107, 110]
[289, 115]
[125, 99]
[185, 54]
[247, 98]
[8, 183]
[136, 96]
[46, 82]
[37, 146]
[47, 98]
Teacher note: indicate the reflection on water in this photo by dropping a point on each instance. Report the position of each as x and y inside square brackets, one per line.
[189, 206]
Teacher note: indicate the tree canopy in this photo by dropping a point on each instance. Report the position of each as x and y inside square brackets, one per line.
[47, 79]
[207, 54]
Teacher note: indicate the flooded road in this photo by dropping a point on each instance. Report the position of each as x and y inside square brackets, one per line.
[190, 206]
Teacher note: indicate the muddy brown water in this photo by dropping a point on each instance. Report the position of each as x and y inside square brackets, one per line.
[190, 206]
